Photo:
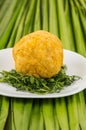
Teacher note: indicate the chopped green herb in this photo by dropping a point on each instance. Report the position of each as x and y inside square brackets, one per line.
[38, 85]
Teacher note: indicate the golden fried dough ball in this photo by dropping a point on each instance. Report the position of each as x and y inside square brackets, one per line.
[39, 54]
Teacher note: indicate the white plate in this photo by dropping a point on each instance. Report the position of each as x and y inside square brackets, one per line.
[76, 65]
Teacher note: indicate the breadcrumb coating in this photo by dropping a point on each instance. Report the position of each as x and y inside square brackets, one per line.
[39, 54]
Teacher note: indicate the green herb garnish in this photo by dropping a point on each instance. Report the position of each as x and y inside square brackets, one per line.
[38, 85]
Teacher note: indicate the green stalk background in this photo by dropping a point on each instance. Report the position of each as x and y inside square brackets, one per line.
[67, 20]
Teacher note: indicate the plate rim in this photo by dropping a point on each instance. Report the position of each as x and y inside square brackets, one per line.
[40, 95]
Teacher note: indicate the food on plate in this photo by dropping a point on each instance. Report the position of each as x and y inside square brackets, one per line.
[39, 68]
[38, 54]
[37, 84]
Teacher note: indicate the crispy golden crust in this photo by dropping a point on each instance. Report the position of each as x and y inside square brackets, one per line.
[39, 54]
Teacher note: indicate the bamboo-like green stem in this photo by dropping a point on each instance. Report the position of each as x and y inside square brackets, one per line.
[63, 25]
[45, 15]
[53, 18]
[48, 114]
[34, 121]
[79, 38]
[61, 113]
[4, 39]
[73, 112]
[19, 19]
[29, 17]
[21, 113]
[37, 18]
[81, 110]
[69, 26]
[7, 16]
[4, 108]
